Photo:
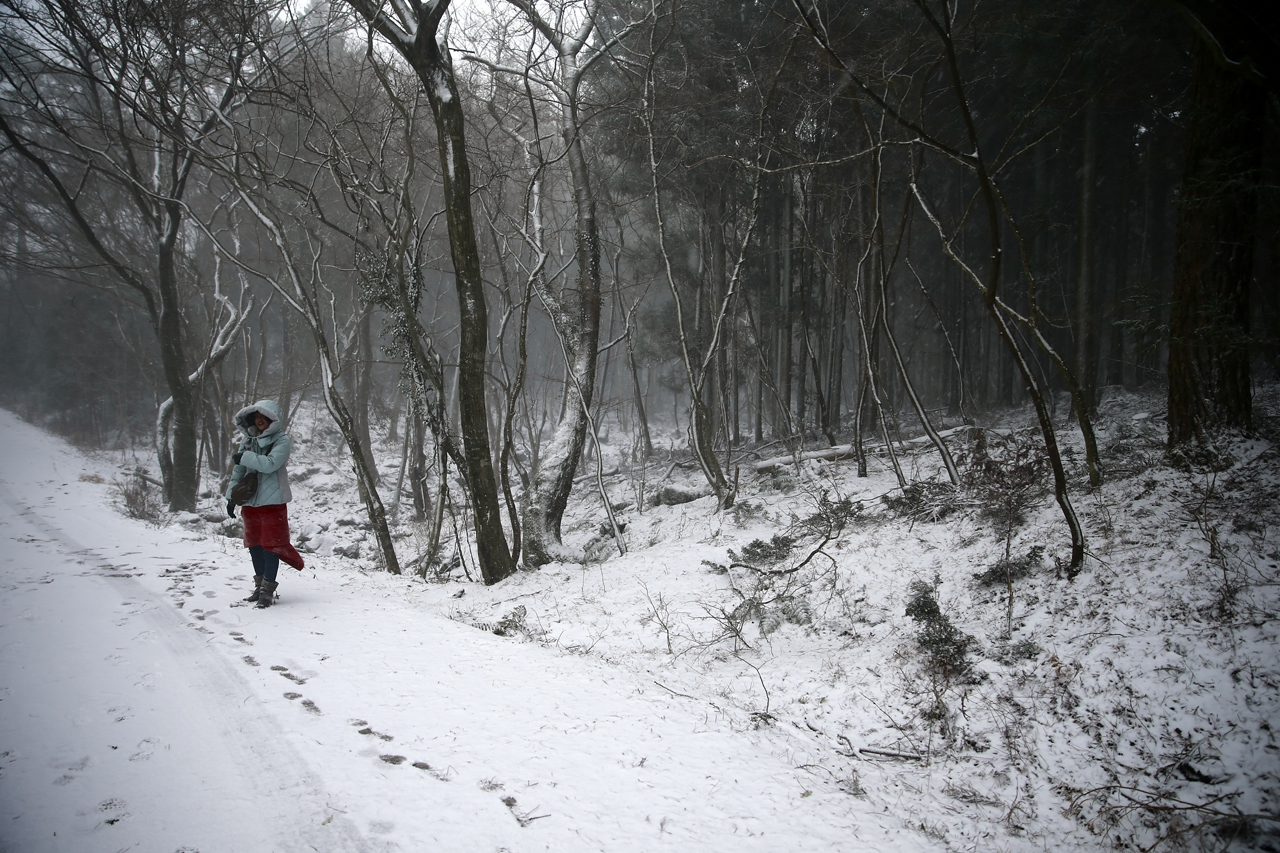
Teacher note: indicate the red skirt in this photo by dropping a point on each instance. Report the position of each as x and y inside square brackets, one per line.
[268, 526]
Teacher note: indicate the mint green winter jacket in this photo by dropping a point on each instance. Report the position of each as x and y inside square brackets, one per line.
[266, 453]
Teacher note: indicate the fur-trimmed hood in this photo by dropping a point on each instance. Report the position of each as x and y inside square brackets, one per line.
[244, 418]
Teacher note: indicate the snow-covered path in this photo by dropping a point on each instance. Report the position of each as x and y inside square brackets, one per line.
[141, 708]
[119, 724]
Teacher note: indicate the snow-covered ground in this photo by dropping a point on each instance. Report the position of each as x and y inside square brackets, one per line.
[745, 680]
[144, 709]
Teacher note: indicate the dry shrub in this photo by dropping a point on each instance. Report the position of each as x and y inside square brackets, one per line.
[140, 497]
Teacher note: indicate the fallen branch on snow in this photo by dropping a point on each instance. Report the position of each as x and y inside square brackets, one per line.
[844, 451]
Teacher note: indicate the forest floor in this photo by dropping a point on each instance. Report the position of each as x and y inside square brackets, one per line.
[833, 664]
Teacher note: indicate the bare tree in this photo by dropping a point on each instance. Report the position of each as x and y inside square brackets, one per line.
[416, 31]
[698, 365]
[986, 279]
[284, 224]
[572, 32]
[302, 284]
[108, 104]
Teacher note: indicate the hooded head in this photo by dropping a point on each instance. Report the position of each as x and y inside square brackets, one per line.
[245, 418]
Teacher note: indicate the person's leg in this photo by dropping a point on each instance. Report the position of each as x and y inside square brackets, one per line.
[255, 554]
[270, 566]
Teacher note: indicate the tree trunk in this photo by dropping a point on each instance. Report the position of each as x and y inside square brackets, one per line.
[1209, 381]
[642, 417]
[288, 369]
[419, 488]
[364, 391]
[433, 67]
[1086, 352]
[364, 477]
[785, 330]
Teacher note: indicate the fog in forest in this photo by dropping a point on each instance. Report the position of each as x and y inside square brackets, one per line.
[710, 232]
[750, 426]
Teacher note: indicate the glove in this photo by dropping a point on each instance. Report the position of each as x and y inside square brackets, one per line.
[237, 456]
[231, 508]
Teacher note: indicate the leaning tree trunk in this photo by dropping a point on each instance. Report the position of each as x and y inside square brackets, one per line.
[365, 480]
[644, 438]
[1209, 382]
[182, 478]
[989, 287]
[300, 294]
[363, 387]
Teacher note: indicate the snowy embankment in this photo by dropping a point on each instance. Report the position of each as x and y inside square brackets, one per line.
[141, 708]
[925, 653]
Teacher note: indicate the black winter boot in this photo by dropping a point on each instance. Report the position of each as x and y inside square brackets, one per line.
[257, 588]
[267, 594]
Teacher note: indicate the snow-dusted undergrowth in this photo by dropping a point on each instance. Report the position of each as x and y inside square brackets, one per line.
[870, 638]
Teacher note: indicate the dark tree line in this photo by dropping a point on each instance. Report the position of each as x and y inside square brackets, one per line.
[512, 235]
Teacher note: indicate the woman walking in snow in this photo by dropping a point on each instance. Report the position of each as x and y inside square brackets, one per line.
[264, 450]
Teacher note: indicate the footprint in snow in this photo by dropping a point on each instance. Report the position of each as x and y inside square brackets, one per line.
[312, 707]
[364, 729]
[72, 768]
[284, 670]
[442, 775]
[396, 760]
[146, 748]
[114, 807]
